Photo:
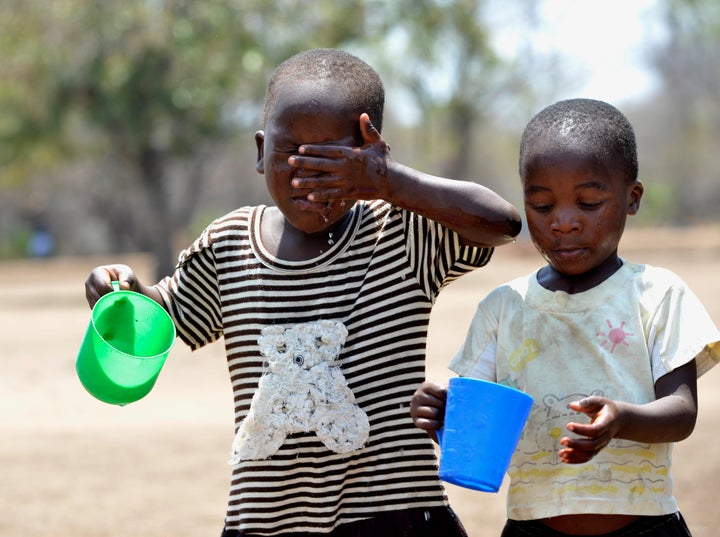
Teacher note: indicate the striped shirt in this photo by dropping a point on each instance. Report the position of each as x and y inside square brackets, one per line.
[380, 280]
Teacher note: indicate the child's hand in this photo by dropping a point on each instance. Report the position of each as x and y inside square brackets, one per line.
[427, 407]
[349, 173]
[99, 281]
[602, 428]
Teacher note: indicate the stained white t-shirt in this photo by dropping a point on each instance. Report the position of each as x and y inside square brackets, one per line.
[615, 340]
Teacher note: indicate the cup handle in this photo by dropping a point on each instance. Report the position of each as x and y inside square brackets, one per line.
[115, 285]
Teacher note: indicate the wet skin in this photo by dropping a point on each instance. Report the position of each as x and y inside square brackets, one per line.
[297, 228]
[576, 210]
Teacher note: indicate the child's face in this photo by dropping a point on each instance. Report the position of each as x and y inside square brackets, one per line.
[304, 114]
[576, 208]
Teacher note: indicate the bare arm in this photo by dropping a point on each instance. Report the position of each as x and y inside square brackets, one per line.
[669, 418]
[476, 213]
[480, 216]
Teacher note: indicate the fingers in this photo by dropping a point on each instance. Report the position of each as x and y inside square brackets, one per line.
[579, 450]
[427, 407]
[318, 158]
[331, 157]
[99, 282]
[589, 405]
[593, 436]
[570, 456]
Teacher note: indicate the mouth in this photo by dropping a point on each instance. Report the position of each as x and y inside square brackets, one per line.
[569, 253]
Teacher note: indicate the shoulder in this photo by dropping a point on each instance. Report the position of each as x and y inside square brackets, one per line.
[515, 290]
[650, 277]
[231, 226]
[654, 289]
[240, 217]
[518, 286]
[240, 220]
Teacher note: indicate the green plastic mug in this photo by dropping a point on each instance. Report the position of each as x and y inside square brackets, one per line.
[125, 347]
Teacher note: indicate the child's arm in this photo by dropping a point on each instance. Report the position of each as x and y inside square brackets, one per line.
[98, 283]
[477, 214]
[427, 407]
[670, 418]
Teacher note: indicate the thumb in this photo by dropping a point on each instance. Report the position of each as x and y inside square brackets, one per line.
[124, 275]
[369, 133]
[587, 405]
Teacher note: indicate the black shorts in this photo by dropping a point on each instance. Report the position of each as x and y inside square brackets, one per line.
[648, 526]
[422, 522]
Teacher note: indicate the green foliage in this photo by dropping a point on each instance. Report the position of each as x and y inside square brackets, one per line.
[150, 85]
[130, 76]
[688, 63]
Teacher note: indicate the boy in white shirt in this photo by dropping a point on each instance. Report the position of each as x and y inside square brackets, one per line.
[589, 333]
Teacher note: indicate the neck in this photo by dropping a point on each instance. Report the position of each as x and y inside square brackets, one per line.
[286, 242]
[553, 280]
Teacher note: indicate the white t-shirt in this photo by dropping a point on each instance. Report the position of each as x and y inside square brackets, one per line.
[614, 340]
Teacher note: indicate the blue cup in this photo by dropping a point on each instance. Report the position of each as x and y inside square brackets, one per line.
[483, 423]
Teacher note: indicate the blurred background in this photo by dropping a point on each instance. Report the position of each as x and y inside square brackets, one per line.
[127, 126]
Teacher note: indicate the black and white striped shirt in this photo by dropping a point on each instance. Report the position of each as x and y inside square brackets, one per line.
[380, 280]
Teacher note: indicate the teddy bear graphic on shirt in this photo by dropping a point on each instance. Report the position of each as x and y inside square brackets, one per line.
[301, 390]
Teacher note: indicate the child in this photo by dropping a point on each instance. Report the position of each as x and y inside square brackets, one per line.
[589, 333]
[323, 302]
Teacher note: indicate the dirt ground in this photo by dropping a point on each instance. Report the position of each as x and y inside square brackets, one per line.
[75, 467]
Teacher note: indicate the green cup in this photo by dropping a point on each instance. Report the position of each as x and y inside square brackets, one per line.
[125, 346]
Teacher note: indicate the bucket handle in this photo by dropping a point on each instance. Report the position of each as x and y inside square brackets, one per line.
[115, 285]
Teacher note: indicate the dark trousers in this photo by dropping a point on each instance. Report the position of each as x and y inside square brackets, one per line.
[650, 526]
[430, 522]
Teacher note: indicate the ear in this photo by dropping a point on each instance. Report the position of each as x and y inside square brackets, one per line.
[260, 143]
[635, 192]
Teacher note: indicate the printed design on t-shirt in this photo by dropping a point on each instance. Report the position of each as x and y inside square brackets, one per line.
[301, 390]
[525, 353]
[630, 463]
[614, 337]
[549, 423]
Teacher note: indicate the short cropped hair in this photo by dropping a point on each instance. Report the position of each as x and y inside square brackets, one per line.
[599, 126]
[361, 85]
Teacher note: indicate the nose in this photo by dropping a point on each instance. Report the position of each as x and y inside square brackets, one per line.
[565, 221]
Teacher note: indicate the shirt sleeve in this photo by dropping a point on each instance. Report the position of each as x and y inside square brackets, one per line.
[437, 255]
[477, 355]
[191, 294]
[681, 331]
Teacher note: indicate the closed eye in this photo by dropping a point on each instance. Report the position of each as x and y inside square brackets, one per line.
[589, 206]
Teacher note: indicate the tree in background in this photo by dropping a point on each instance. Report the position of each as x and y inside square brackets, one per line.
[147, 92]
[147, 88]
[686, 169]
